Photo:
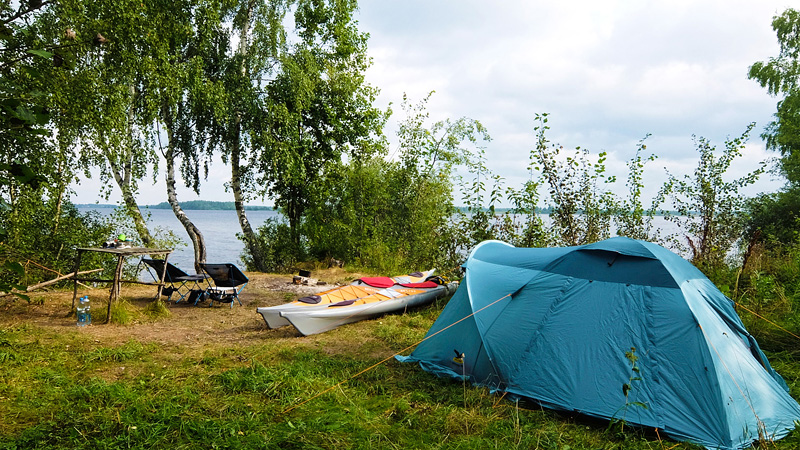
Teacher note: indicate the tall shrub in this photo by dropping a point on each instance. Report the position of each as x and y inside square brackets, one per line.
[42, 236]
[395, 214]
[708, 209]
[581, 203]
[631, 218]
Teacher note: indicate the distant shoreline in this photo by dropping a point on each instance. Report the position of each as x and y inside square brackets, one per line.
[191, 205]
[205, 205]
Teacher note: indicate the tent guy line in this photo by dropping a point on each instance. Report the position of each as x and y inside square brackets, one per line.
[560, 341]
[766, 320]
[383, 361]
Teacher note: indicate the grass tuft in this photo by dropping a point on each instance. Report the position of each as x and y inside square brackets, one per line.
[122, 313]
[157, 310]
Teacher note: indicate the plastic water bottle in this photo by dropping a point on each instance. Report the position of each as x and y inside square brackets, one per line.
[84, 313]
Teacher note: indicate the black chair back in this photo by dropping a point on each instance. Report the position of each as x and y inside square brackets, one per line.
[225, 275]
[172, 274]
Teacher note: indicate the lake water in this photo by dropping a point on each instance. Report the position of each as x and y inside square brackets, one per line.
[219, 229]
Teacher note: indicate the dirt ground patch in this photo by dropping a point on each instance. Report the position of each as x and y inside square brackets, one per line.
[186, 324]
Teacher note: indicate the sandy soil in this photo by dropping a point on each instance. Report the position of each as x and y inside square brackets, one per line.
[186, 323]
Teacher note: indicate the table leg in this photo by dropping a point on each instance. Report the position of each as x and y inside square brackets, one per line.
[115, 286]
[75, 280]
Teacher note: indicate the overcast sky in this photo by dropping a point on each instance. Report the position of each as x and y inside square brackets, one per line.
[608, 73]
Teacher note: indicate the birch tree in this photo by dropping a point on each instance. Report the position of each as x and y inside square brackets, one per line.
[317, 108]
[294, 99]
[780, 75]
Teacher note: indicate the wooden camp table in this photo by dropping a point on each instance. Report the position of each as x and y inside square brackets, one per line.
[121, 254]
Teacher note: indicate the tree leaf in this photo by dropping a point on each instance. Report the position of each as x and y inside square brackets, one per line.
[41, 53]
[14, 267]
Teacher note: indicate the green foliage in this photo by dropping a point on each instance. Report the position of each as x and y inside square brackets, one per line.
[131, 350]
[121, 313]
[783, 135]
[23, 106]
[776, 217]
[71, 67]
[769, 281]
[398, 215]
[93, 84]
[120, 222]
[530, 229]
[781, 76]
[391, 216]
[709, 209]
[627, 388]
[316, 108]
[20, 174]
[395, 216]
[631, 218]
[27, 159]
[279, 251]
[13, 271]
[480, 221]
[359, 217]
[45, 234]
[582, 204]
[157, 310]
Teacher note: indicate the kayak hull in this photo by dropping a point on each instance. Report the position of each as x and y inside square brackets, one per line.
[318, 320]
[356, 290]
[272, 314]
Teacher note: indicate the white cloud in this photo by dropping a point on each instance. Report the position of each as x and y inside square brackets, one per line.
[608, 72]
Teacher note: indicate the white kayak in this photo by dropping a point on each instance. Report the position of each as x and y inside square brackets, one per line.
[318, 320]
[357, 289]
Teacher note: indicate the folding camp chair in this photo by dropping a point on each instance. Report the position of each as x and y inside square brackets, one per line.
[229, 281]
[176, 279]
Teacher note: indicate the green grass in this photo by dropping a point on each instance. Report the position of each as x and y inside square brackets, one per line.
[63, 389]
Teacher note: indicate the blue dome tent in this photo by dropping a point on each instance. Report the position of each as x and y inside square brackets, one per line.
[618, 329]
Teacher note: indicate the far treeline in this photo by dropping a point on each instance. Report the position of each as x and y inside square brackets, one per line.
[206, 205]
[200, 205]
[135, 90]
